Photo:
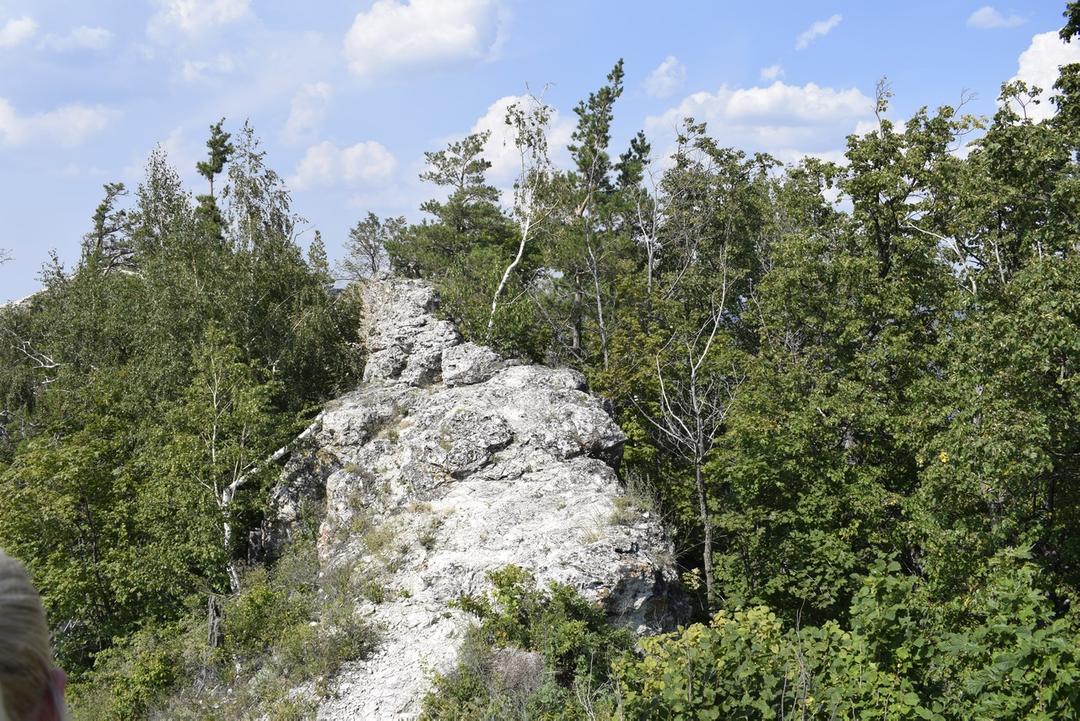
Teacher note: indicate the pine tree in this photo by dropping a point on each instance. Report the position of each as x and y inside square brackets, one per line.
[109, 242]
[220, 152]
[317, 258]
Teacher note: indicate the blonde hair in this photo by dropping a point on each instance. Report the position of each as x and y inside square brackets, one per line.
[25, 656]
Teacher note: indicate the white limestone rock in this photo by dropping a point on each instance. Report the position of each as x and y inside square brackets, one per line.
[467, 463]
[468, 363]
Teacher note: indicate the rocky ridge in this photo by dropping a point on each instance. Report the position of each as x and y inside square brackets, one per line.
[451, 461]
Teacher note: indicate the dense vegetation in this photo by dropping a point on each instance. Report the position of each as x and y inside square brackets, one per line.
[141, 394]
[545, 653]
[850, 389]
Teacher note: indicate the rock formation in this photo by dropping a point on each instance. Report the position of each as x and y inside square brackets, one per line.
[451, 461]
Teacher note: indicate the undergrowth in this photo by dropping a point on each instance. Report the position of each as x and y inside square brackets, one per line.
[282, 638]
[536, 653]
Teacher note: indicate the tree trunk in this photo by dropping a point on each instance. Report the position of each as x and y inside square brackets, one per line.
[594, 270]
[230, 567]
[226, 532]
[575, 322]
[706, 523]
[215, 635]
[506, 277]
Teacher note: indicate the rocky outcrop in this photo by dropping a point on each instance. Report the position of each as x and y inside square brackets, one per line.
[451, 461]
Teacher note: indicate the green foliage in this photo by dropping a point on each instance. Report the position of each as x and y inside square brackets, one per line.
[261, 615]
[569, 639]
[142, 390]
[1000, 653]
[1019, 659]
[1006, 659]
[285, 628]
[820, 366]
[745, 665]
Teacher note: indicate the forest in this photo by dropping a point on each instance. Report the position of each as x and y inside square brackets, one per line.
[850, 389]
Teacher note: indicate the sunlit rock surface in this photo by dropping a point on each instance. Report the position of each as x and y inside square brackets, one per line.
[451, 461]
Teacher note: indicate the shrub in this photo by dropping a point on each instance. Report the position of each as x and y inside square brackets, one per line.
[1002, 652]
[745, 665]
[536, 653]
[284, 631]
[1005, 655]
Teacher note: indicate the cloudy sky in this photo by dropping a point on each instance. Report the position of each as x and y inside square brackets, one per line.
[347, 94]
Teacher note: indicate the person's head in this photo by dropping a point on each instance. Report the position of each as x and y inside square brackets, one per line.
[31, 687]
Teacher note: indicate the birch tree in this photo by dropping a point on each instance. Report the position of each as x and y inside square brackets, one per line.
[529, 119]
[219, 436]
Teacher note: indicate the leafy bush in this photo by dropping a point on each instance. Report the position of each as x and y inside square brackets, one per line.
[536, 653]
[261, 614]
[286, 633]
[548, 654]
[1008, 657]
[745, 665]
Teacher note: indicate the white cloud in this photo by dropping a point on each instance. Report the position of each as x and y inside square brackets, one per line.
[866, 126]
[194, 71]
[68, 126]
[81, 38]
[1038, 65]
[789, 121]
[393, 35]
[77, 170]
[324, 164]
[500, 149]
[307, 112]
[16, 31]
[367, 162]
[773, 72]
[819, 29]
[988, 17]
[666, 78]
[196, 16]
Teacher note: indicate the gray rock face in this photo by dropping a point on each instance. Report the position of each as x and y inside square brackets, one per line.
[466, 363]
[450, 462]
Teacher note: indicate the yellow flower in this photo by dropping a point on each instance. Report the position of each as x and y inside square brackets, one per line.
[943, 457]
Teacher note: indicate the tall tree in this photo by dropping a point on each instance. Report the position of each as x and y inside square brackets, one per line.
[217, 436]
[697, 381]
[109, 242]
[220, 150]
[318, 261]
[529, 120]
[582, 252]
[365, 250]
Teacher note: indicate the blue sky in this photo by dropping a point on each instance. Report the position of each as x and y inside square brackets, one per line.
[347, 94]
